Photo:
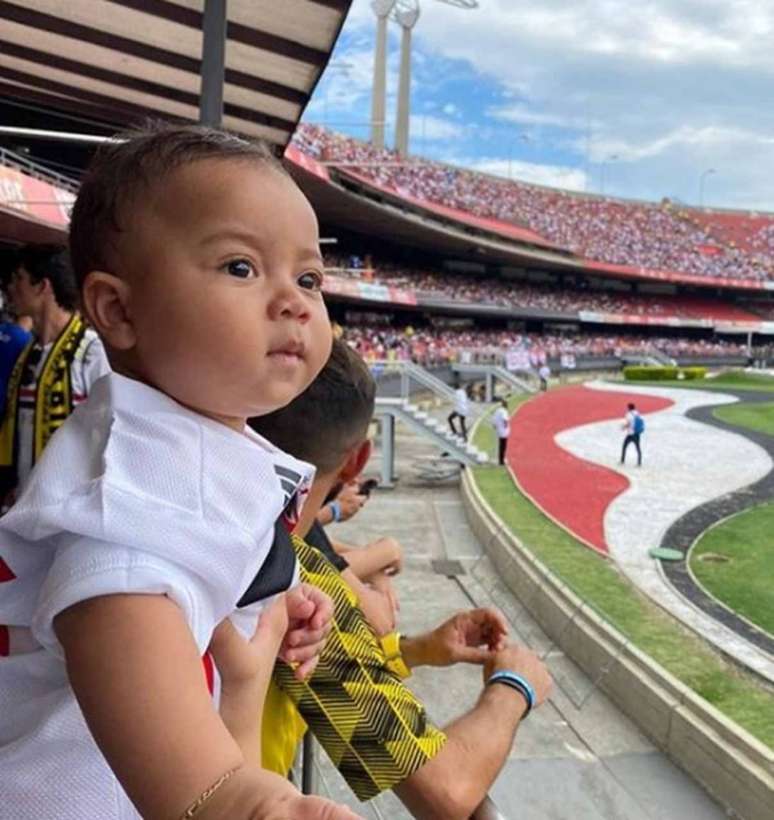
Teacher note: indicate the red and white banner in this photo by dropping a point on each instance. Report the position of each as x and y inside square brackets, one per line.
[34, 197]
[358, 289]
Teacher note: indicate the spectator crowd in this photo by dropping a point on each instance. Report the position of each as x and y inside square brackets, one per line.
[657, 236]
[432, 346]
[548, 297]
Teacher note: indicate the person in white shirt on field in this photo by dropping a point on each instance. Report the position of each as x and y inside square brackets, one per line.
[502, 425]
[634, 425]
[545, 374]
[461, 411]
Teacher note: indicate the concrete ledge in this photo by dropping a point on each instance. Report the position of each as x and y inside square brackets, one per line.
[732, 765]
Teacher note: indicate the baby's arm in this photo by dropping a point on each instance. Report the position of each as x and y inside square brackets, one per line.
[138, 677]
[245, 668]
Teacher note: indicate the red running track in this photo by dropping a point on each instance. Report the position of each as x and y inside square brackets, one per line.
[573, 492]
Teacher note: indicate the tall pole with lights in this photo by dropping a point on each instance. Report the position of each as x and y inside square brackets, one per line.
[382, 9]
[406, 14]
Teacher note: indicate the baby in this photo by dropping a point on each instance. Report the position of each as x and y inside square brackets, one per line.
[154, 513]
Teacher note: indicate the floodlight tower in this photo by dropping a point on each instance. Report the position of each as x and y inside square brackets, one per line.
[382, 9]
[406, 14]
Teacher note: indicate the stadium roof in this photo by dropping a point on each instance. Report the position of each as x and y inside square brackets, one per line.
[120, 61]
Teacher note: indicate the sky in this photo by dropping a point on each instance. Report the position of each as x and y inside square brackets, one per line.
[642, 100]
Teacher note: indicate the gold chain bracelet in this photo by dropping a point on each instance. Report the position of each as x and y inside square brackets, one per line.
[194, 808]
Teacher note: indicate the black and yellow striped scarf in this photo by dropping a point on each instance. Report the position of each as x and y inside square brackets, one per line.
[53, 399]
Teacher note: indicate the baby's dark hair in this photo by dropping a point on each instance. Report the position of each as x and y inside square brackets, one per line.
[129, 166]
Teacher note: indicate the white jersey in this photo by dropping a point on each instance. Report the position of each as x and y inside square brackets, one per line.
[461, 402]
[134, 494]
[501, 422]
[89, 364]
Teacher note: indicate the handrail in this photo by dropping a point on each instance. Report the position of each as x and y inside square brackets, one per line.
[487, 811]
[21, 163]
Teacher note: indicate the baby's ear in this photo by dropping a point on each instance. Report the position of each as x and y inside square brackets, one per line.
[106, 303]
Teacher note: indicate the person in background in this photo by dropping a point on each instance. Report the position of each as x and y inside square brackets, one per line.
[502, 426]
[55, 372]
[15, 335]
[545, 374]
[461, 410]
[634, 425]
[370, 724]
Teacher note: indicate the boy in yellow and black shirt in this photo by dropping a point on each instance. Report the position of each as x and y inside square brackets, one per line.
[373, 728]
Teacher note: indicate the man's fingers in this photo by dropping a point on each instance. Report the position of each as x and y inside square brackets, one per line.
[473, 654]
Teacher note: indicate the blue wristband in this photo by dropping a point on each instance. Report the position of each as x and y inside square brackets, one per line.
[335, 510]
[517, 682]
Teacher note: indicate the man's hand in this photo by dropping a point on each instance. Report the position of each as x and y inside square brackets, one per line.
[523, 662]
[350, 500]
[310, 612]
[474, 636]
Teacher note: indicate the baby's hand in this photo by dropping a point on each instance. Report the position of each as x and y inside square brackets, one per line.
[310, 612]
[241, 661]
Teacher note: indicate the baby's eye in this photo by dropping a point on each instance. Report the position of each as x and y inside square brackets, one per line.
[310, 280]
[241, 268]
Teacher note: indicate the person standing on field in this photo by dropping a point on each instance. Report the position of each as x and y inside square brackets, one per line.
[634, 424]
[501, 423]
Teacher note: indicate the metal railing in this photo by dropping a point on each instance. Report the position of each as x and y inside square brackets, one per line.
[27, 166]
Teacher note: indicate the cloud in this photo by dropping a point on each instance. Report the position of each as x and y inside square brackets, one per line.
[426, 127]
[554, 176]
[671, 87]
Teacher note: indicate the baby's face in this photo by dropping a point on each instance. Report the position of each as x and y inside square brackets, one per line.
[225, 271]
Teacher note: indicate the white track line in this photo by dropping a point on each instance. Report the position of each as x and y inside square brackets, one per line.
[685, 464]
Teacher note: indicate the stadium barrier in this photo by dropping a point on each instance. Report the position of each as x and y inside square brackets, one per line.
[732, 765]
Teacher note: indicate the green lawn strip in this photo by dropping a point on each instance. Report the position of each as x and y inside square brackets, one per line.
[758, 417]
[595, 579]
[731, 380]
[745, 583]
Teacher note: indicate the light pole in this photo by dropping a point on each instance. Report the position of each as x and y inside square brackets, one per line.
[405, 13]
[605, 161]
[382, 9]
[702, 177]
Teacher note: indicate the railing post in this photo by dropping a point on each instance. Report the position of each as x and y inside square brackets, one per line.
[489, 386]
[387, 430]
[308, 776]
[487, 811]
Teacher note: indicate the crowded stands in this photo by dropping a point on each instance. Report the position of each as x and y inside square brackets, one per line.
[434, 346]
[551, 298]
[660, 236]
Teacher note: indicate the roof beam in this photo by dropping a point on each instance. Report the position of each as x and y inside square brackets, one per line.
[140, 111]
[238, 32]
[66, 28]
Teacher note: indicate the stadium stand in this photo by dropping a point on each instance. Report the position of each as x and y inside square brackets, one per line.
[656, 236]
[551, 298]
[433, 346]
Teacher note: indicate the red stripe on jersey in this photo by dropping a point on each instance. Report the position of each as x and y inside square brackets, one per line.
[209, 671]
[5, 642]
[5, 572]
